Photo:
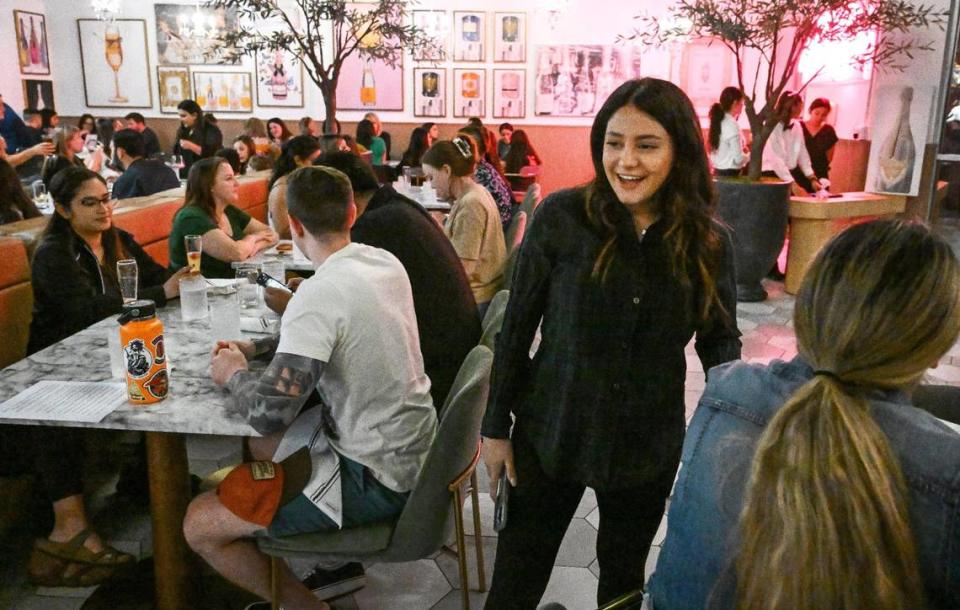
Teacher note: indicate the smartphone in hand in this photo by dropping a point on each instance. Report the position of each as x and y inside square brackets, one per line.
[500, 511]
[268, 281]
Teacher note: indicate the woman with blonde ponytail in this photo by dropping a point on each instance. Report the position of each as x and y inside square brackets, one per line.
[814, 483]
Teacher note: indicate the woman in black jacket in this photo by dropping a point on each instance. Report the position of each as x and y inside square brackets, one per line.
[75, 285]
[622, 273]
[197, 138]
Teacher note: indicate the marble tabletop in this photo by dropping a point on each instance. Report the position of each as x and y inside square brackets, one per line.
[194, 405]
[292, 261]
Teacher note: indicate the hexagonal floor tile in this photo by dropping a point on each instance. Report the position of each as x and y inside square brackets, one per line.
[579, 546]
[413, 585]
[575, 588]
[454, 601]
[447, 562]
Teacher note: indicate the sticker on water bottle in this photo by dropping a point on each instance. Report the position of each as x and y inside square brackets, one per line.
[159, 384]
[139, 360]
[158, 349]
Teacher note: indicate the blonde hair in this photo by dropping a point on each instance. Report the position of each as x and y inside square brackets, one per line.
[61, 137]
[825, 522]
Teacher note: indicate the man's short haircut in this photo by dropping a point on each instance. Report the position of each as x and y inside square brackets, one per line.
[130, 141]
[319, 198]
[504, 126]
[29, 113]
[136, 117]
[361, 175]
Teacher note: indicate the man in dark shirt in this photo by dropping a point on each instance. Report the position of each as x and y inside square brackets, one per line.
[141, 176]
[12, 129]
[447, 316]
[151, 145]
[33, 121]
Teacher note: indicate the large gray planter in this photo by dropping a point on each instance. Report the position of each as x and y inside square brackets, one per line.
[756, 213]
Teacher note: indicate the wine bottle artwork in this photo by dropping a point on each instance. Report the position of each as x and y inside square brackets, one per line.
[898, 151]
[278, 81]
[34, 44]
[510, 44]
[23, 47]
[470, 47]
[368, 86]
[113, 52]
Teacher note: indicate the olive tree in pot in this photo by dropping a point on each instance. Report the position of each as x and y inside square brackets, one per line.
[322, 34]
[767, 38]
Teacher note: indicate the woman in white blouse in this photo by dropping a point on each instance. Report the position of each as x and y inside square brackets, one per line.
[728, 149]
[785, 155]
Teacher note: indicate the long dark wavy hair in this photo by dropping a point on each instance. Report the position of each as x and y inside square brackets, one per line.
[728, 97]
[14, 201]
[200, 181]
[418, 145]
[686, 199]
[297, 146]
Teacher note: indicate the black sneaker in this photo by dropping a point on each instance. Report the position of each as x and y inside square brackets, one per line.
[328, 584]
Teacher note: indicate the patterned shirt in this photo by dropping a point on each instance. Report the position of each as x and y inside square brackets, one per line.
[490, 179]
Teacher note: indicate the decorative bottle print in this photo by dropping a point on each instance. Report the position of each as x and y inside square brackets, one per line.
[368, 86]
[471, 36]
[898, 151]
[34, 45]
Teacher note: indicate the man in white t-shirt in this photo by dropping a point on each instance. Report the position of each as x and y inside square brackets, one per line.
[349, 332]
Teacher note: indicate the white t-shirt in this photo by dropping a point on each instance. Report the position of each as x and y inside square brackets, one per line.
[356, 315]
[785, 150]
[729, 155]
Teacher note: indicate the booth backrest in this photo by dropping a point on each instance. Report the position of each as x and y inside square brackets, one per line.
[150, 226]
[16, 300]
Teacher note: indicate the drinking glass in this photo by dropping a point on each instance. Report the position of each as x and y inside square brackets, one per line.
[113, 52]
[275, 269]
[194, 246]
[127, 277]
[248, 291]
[225, 318]
[193, 298]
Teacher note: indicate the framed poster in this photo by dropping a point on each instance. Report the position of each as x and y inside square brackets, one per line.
[38, 94]
[223, 91]
[279, 79]
[898, 129]
[509, 94]
[369, 84]
[173, 83]
[510, 37]
[435, 25]
[116, 70]
[469, 89]
[469, 35]
[705, 69]
[32, 52]
[429, 93]
[176, 40]
[575, 80]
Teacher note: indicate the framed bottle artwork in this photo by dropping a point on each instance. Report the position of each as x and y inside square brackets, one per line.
[429, 93]
[469, 36]
[38, 94]
[510, 37]
[509, 94]
[173, 83]
[116, 68]
[279, 79]
[33, 53]
[435, 25]
[223, 91]
[469, 92]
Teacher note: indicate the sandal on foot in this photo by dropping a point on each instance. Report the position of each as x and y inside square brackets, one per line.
[70, 564]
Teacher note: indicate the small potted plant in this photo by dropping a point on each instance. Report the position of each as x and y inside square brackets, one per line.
[767, 39]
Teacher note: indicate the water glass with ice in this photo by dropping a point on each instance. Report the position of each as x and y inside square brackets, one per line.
[248, 291]
[225, 318]
[193, 298]
[127, 277]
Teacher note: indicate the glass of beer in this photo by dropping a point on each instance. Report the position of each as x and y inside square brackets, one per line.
[194, 247]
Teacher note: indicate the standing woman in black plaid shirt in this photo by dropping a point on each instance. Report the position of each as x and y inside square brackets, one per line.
[623, 272]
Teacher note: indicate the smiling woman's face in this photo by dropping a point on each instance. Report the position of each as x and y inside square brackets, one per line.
[637, 155]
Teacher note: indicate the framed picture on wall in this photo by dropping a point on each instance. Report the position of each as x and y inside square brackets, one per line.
[509, 94]
[469, 35]
[173, 83]
[429, 93]
[223, 91]
[705, 69]
[369, 84]
[116, 70]
[279, 79]
[435, 24]
[510, 37]
[176, 44]
[38, 94]
[469, 92]
[32, 51]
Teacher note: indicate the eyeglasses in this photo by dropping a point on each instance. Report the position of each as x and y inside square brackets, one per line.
[89, 202]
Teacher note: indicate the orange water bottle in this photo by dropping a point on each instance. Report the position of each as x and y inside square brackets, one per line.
[141, 340]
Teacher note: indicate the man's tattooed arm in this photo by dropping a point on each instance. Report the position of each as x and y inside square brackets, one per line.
[266, 346]
[272, 400]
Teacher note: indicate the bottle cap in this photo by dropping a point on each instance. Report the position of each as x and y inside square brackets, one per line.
[143, 309]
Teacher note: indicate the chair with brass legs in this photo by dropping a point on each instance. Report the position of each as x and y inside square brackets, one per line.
[437, 500]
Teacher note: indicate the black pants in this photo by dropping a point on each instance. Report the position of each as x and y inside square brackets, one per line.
[539, 512]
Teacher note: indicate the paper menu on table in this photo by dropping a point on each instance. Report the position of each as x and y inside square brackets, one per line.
[75, 401]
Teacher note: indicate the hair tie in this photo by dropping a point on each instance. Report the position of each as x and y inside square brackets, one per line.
[829, 374]
[464, 147]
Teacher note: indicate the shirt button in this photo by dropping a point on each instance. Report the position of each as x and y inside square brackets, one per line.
[636, 300]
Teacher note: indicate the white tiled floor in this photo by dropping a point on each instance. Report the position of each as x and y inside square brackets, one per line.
[433, 583]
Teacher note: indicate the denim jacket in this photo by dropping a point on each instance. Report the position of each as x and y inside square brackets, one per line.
[738, 402]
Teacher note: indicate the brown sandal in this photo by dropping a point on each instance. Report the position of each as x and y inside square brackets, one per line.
[70, 564]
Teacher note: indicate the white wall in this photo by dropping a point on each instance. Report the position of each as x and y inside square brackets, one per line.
[11, 85]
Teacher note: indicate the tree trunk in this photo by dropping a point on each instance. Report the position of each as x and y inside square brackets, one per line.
[329, 92]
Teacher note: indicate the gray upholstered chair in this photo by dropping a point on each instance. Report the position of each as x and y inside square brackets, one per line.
[493, 320]
[425, 523]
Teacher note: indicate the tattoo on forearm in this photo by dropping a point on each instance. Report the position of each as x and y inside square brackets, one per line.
[271, 401]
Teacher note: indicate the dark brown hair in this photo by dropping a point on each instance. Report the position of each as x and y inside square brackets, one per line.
[200, 181]
[319, 198]
[686, 199]
[520, 149]
[459, 153]
[728, 97]
[13, 197]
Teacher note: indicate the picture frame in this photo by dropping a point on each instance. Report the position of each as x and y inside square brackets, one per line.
[38, 94]
[430, 92]
[115, 63]
[509, 93]
[898, 133]
[33, 52]
[173, 86]
[575, 80]
[469, 36]
[509, 37]
[223, 92]
[436, 24]
[469, 92]
[705, 69]
[370, 84]
[175, 46]
[279, 77]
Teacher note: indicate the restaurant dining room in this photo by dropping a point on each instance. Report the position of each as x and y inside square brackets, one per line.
[454, 278]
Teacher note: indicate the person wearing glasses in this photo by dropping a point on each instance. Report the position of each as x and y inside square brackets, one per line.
[75, 285]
